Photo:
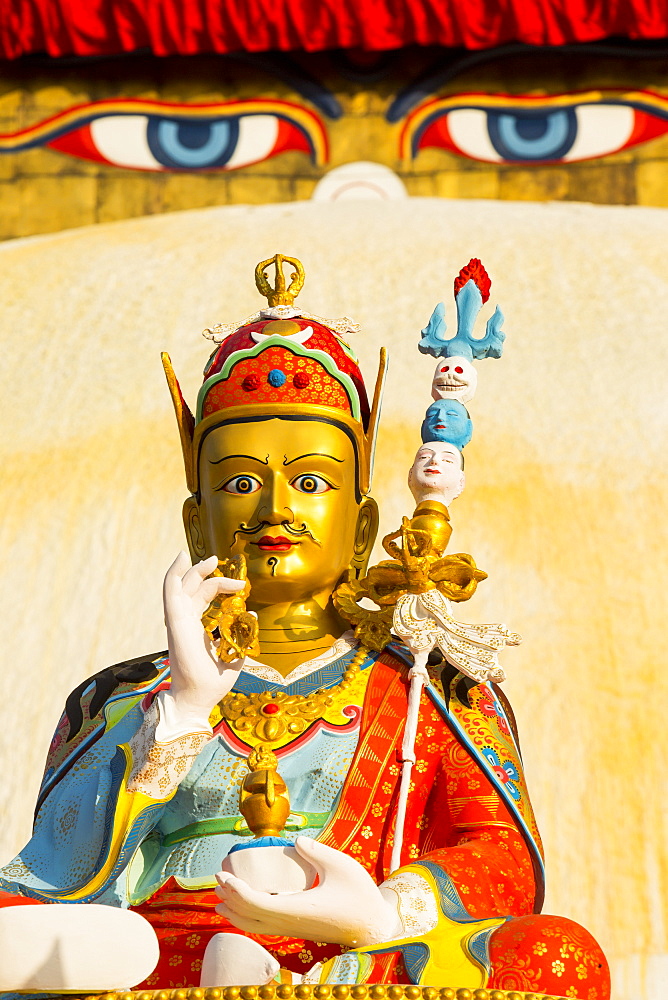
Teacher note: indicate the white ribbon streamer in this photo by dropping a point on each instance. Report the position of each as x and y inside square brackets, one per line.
[424, 621]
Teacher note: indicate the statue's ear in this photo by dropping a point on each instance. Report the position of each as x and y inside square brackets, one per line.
[192, 522]
[365, 535]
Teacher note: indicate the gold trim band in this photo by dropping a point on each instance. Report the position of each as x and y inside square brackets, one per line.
[322, 992]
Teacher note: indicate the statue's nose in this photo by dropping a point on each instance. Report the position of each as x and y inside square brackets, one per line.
[360, 181]
[274, 502]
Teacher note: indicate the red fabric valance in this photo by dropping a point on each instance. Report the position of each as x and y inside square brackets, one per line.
[186, 27]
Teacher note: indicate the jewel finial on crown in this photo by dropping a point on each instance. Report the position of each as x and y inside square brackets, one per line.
[280, 295]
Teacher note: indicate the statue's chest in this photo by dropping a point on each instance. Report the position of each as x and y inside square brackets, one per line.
[313, 730]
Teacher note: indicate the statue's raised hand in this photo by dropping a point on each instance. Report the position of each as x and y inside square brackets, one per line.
[199, 678]
[346, 907]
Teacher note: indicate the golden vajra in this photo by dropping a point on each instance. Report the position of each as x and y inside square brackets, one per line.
[418, 566]
[280, 295]
[226, 620]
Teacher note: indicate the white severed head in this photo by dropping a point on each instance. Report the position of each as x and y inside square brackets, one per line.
[437, 473]
[454, 378]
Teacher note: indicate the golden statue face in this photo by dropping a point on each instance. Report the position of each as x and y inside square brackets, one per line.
[283, 493]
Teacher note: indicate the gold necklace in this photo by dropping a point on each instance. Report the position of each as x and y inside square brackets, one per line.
[269, 716]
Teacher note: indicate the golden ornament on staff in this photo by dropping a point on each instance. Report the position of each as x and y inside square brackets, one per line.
[418, 566]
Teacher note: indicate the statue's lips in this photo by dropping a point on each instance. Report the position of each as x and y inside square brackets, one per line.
[278, 544]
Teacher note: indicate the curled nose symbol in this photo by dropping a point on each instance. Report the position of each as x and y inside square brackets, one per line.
[360, 181]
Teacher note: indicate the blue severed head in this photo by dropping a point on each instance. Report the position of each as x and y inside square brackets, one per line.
[447, 420]
[472, 286]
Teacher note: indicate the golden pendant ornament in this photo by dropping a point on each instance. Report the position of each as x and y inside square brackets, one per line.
[373, 627]
[226, 621]
[268, 717]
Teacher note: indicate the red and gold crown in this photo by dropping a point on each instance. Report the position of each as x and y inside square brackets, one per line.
[280, 361]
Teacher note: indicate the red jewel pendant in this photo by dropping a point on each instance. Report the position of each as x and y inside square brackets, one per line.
[270, 709]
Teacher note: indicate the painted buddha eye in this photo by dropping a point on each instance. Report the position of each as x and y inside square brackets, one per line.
[309, 483]
[143, 142]
[159, 136]
[242, 485]
[559, 129]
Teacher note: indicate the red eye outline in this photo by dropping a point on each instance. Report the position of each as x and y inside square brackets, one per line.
[426, 126]
[69, 131]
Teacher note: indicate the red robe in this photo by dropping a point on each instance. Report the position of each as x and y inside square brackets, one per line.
[469, 824]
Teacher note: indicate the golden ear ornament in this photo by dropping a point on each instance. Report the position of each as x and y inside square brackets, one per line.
[232, 630]
[417, 567]
[279, 295]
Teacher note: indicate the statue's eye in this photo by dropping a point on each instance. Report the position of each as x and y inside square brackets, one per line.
[156, 135]
[459, 370]
[309, 483]
[563, 128]
[242, 485]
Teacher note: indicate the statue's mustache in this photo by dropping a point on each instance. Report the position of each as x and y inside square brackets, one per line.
[296, 530]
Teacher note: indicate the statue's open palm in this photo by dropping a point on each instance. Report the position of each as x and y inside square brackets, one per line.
[346, 907]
